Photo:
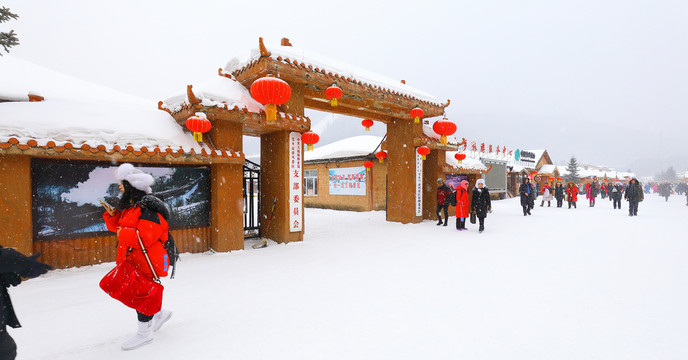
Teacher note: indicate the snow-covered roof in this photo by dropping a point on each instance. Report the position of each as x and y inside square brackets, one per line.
[587, 171]
[218, 91]
[307, 59]
[350, 147]
[466, 164]
[76, 113]
[547, 169]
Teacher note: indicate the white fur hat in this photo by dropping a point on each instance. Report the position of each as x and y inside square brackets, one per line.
[137, 178]
[480, 181]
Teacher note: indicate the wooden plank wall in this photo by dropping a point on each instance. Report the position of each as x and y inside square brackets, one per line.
[62, 254]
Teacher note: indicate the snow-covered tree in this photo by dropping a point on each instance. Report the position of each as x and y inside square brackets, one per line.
[7, 39]
[572, 168]
[668, 175]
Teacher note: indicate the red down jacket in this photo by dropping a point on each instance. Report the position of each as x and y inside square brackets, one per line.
[463, 205]
[152, 228]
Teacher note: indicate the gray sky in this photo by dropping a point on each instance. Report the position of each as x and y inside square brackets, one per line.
[604, 80]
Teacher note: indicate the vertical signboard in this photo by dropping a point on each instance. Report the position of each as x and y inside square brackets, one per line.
[419, 185]
[295, 182]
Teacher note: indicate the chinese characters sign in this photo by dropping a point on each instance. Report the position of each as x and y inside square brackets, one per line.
[348, 181]
[419, 185]
[295, 182]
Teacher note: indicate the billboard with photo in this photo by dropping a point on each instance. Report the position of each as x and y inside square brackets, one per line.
[65, 196]
[453, 180]
[348, 181]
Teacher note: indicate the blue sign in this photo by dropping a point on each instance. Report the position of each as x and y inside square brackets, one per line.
[517, 155]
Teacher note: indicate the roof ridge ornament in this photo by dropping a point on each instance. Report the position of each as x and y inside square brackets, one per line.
[263, 50]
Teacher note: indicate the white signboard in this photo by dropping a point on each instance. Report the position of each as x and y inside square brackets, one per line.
[419, 185]
[295, 182]
[348, 181]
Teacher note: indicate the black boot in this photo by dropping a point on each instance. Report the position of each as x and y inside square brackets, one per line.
[439, 222]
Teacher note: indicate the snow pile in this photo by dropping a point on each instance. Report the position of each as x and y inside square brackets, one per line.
[358, 287]
[219, 91]
[331, 66]
[80, 112]
[350, 147]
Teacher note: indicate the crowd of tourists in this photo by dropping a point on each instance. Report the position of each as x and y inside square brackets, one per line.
[478, 205]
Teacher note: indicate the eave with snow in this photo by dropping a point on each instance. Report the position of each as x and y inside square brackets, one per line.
[366, 95]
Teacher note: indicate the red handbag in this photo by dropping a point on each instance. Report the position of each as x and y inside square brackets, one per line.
[134, 290]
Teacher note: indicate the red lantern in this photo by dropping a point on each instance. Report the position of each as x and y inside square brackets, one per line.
[558, 179]
[381, 155]
[333, 93]
[416, 114]
[367, 123]
[550, 178]
[460, 157]
[198, 124]
[368, 165]
[309, 138]
[270, 91]
[423, 151]
[444, 128]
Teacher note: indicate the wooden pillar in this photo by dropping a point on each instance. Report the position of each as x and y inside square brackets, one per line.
[432, 170]
[401, 169]
[16, 225]
[274, 182]
[226, 185]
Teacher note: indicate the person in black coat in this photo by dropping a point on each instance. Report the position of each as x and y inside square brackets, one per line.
[480, 203]
[559, 193]
[442, 204]
[634, 195]
[615, 193]
[13, 266]
[524, 191]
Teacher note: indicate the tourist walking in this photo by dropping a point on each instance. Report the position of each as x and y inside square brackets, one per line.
[546, 196]
[634, 195]
[442, 192]
[480, 203]
[141, 218]
[13, 267]
[665, 190]
[559, 193]
[463, 205]
[524, 191]
[591, 192]
[571, 194]
[615, 194]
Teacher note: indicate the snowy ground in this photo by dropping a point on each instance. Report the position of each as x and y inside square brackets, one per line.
[590, 283]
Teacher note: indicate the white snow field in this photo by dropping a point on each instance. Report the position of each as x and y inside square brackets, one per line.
[590, 283]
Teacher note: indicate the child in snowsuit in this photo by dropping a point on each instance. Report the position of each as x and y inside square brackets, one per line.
[462, 205]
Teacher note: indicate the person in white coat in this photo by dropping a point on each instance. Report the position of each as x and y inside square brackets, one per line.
[547, 196]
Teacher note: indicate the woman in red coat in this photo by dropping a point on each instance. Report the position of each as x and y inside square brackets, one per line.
[141, 216]
[462, 205]
[571, 194]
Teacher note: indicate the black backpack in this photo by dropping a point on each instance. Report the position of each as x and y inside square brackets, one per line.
[154, 204]
[451, 198]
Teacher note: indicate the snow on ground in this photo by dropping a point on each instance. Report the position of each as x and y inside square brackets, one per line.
[589, 283]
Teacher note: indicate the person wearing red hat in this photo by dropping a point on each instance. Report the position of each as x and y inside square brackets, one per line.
[462, 205]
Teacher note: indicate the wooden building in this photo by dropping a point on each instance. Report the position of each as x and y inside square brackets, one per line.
[332, 173]
[92, 130]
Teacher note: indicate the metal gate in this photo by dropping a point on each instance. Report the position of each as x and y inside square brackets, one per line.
[251, 199]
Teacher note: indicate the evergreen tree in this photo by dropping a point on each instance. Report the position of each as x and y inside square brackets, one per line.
[572, 168]
[7, 39]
